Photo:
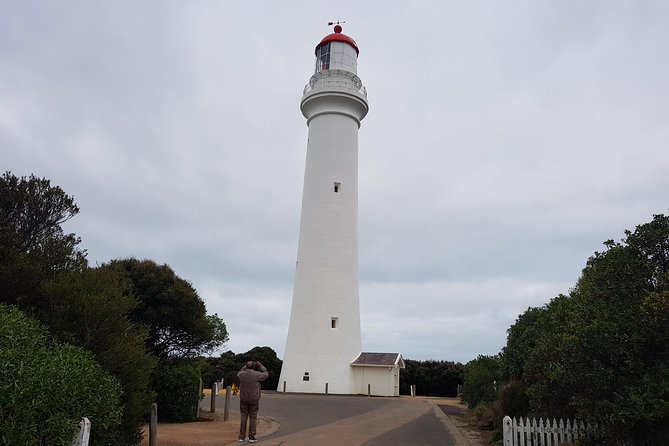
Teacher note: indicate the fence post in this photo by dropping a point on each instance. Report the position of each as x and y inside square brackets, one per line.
[226, 410]
[212, 406]
[369, 390]
[84, 433]
[507, 430]
[199, 398]
[413, 390]
[542, 432]
[153, 425]
[556, 439]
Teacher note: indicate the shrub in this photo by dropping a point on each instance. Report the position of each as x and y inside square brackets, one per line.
[90, 309]
[434, 378]
[45, 388]
[178, 393]
[513, 399]
[487, 416]
[480, 379]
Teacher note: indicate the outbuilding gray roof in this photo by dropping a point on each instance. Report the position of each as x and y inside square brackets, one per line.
[370, 359]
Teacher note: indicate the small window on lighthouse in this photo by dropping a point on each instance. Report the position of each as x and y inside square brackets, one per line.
[306, 376]
[337, 186]
[334, 322]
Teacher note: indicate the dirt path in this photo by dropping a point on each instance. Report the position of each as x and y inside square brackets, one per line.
[209, 430]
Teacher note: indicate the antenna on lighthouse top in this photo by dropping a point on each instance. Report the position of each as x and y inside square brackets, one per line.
[337, 24]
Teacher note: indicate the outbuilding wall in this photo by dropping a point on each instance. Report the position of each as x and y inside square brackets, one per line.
[384, 381]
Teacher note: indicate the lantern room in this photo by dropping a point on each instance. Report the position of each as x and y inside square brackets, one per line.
[337, 51]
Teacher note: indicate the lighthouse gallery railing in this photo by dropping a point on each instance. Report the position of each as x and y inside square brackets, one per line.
[337, 79]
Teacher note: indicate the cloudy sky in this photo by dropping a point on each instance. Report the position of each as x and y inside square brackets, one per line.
[506, 140]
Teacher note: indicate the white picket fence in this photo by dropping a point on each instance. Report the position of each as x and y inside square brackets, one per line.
[541, 433]
[84, 433]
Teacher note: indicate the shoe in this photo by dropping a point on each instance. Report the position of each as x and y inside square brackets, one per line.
[252, 439]
[241, 440]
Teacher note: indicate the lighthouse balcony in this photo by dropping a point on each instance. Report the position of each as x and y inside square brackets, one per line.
[337, 80]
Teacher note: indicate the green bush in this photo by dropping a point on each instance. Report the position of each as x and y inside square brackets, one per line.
[601, 352]
[481, 375]
[433, 378]
[90, 309]
[178, 393]
[46, 388]
[513, 399]
[228, 364]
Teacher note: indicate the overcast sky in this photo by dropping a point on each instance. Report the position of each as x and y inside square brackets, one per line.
[506, 140]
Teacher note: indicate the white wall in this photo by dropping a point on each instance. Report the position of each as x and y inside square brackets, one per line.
[384, 380]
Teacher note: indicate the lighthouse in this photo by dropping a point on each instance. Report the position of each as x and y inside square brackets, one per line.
[324, 348]
[324, 329]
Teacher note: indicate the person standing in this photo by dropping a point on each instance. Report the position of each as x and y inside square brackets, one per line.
[250, 377]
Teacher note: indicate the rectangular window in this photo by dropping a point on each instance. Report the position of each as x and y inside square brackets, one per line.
[334, 322]
[323, 58]
[306, 376]
[337, 186]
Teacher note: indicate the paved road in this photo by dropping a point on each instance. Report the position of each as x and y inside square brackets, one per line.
[351, 420]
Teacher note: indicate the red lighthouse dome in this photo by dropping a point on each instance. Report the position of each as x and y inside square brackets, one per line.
[338, 36]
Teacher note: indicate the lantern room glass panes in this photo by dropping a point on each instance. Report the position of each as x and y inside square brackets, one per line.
[336, 55]
[343, 57]
[323, 57]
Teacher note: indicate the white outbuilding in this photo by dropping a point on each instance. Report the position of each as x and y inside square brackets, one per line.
[378, 374]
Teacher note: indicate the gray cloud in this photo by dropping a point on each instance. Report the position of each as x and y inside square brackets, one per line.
[504, 143]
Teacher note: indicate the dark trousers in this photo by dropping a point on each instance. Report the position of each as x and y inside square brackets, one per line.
[248, 409]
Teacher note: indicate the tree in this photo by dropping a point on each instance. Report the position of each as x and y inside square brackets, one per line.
[179, 327]
[43, 271]
[602, 352]
[33, 245]
[267, 356]
[436, 378]
[228, 364]
[521, 338]
[480, 380]
[543, 373]
[91, 309]
[651, 241]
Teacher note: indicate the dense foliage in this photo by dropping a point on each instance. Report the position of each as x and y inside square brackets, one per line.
[46, 388]
[480, 380]
[90, 309]
[601, 352]
[128, 314]
[177, 387]
[179, 327]
[228, 364]
[33, 246]
[434, 378]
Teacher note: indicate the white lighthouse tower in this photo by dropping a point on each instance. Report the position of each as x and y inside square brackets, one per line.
[324, 333]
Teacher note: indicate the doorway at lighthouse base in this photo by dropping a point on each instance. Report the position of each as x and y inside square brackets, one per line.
[378, 374]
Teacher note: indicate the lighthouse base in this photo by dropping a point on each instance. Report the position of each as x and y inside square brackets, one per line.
[373, 374]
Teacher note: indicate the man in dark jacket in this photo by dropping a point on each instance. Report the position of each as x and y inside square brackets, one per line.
[250, 377]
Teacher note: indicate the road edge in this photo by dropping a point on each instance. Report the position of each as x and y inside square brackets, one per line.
[458, 436]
